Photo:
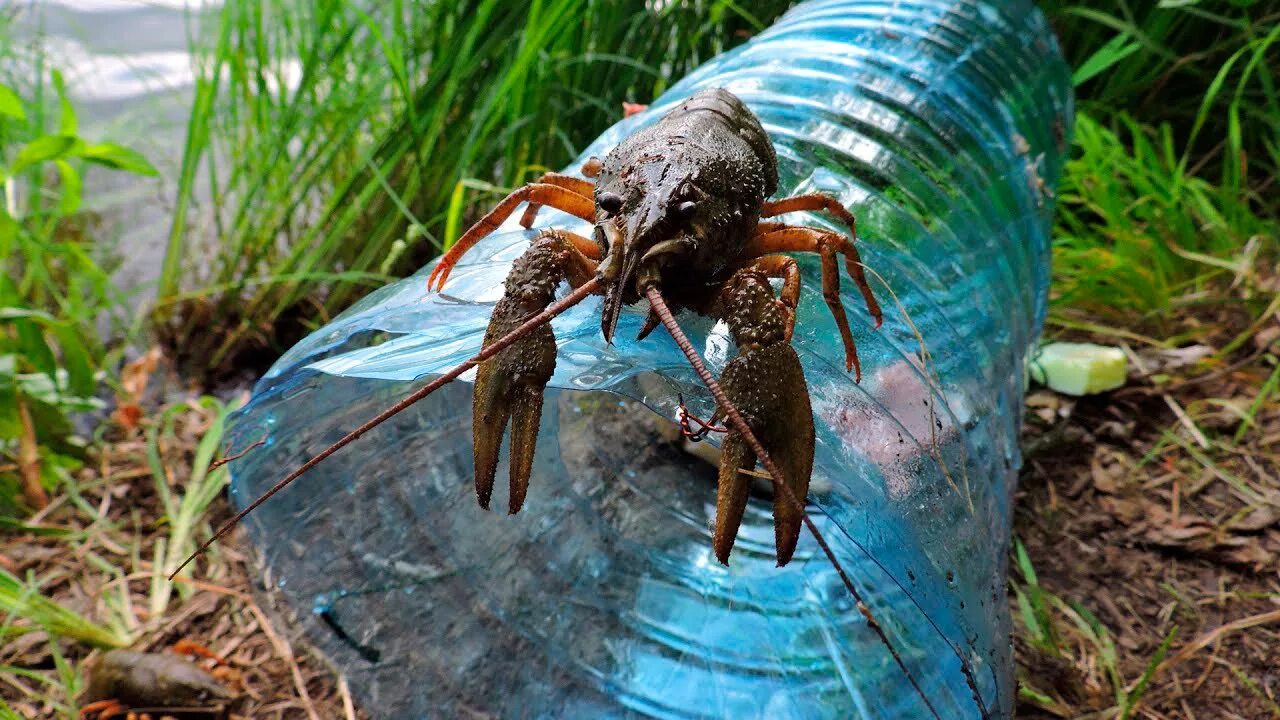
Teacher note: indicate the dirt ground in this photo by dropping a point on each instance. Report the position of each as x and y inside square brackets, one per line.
[1142, 512]
[1153, 535]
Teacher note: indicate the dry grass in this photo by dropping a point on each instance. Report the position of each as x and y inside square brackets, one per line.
[92, 554]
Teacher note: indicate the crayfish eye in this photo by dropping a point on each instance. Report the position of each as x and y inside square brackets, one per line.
[610, 202]
[687, 209]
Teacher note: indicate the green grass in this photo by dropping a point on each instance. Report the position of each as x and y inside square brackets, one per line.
[1139, 238]
[330, 173]
[26, 610]
[183, 512]
[1203, 66]
[1069, 632]
[1168, 207]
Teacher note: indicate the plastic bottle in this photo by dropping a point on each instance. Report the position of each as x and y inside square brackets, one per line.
[943, 126]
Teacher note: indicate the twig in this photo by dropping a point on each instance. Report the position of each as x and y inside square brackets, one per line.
[223, 461]
[197, 584]
[344, 690]
[1217, 634]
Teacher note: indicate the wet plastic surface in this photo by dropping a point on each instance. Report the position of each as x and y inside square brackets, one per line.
[942, 126]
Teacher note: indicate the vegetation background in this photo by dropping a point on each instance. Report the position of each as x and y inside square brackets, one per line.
[1165, 242]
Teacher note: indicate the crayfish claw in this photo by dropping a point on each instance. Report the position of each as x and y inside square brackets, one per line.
[767, 386]
[732, 492]
[650, 323]
[765, 382]
[510, 384]
[486, 429]
[509, 388]
[526, 412]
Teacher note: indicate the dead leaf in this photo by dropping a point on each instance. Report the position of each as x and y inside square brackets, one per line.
[127, 415]
[1103, 472]
[135, 375]
[1127, 511]
[1248, 551]
[1163, 361]
[1183, 534]
[1266, 337]
[29, 459]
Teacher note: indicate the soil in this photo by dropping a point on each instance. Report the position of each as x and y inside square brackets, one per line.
[1125, 513]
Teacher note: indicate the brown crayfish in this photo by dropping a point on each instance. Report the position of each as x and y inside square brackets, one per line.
[677, 211]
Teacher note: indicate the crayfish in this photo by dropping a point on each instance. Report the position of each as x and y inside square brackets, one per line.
[677, 212]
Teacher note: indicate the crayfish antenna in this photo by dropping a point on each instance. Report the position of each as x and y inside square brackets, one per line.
[739, 425]
[541, 318]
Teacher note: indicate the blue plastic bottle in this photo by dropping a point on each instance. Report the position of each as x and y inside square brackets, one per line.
[943, 127]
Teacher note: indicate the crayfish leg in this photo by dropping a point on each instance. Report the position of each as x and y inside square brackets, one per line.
[536, 194]
[509, 385]
[766, 383]
[582, 187]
